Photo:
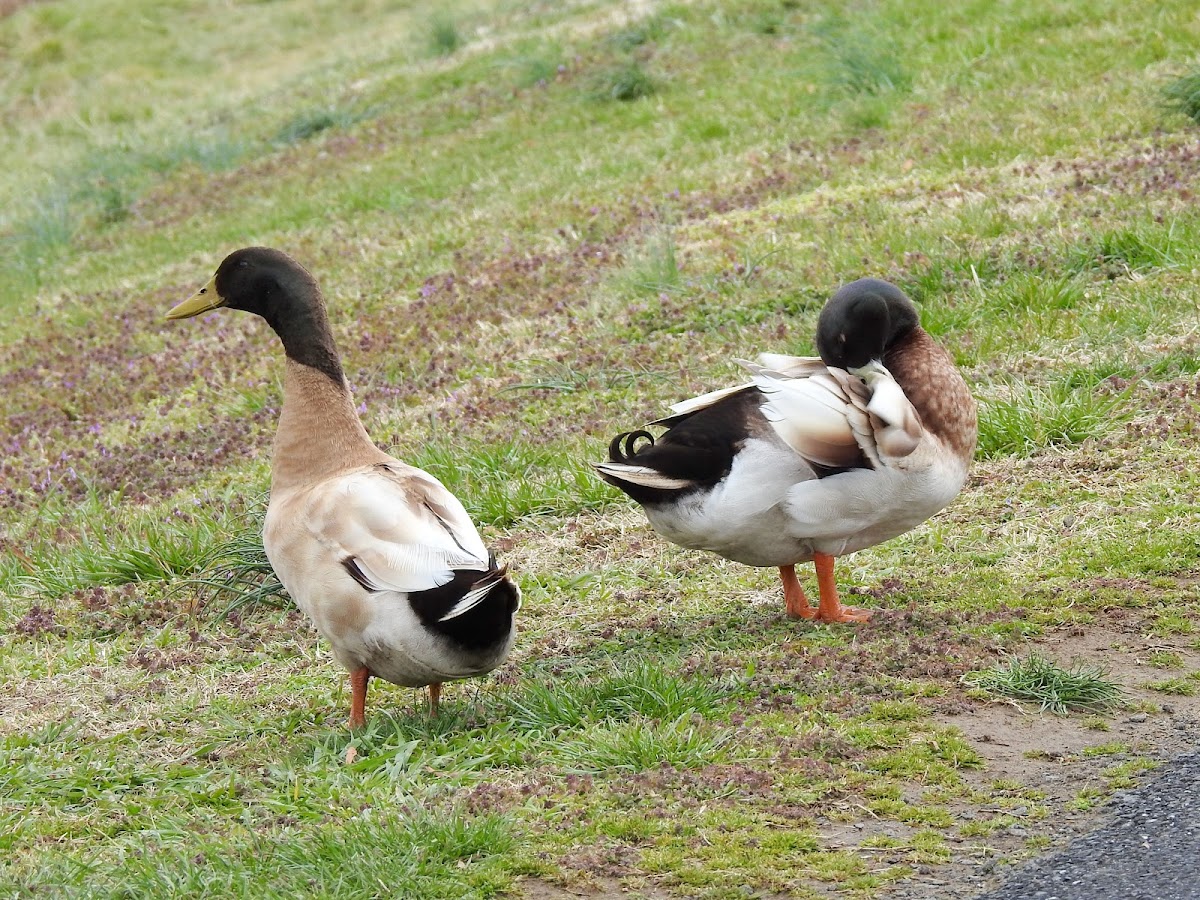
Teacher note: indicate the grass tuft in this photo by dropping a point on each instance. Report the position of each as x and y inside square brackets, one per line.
[420, 855]
[155, 552]
[504, 482]
[1182, 95]
[310, 123]
[642, 745]
[238, 572]
[623, 82]
[1039, 680]
[1038, 294]
[653, 266]
[1027, 418]
[861, 61]
[1183, 686]
[640, 34]
[1122, 252]
[641, 691]
[444, 36]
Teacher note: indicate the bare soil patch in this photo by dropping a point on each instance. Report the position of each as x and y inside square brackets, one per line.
[1047, 752]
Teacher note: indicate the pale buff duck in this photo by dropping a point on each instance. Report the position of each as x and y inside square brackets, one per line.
[380, 555]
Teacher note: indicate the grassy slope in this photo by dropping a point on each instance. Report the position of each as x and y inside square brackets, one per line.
[518, 265]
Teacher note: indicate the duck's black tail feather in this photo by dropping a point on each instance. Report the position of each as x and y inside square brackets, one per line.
[623, 448]
[475, 608]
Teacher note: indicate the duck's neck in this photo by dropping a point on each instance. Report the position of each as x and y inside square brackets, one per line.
[936, 390]
[319, 430]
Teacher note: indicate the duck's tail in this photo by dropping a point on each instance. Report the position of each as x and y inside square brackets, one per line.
[622, 470]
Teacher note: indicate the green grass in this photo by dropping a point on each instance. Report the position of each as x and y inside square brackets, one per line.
[444, 36]
[503, 483]
[1036, 679]
[641, 691]
[639, 746]
[1183, 686]
[235, 572]
[536, 225]
[625, 82]
[420, 856]
[1020, 419]
[1182, 95]
[147, 551]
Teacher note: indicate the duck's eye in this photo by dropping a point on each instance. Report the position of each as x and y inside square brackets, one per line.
[204, 290]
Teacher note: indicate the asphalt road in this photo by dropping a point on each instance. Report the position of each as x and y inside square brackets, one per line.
[1146, 847]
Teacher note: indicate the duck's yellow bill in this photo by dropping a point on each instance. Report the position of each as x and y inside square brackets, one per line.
[202, 301]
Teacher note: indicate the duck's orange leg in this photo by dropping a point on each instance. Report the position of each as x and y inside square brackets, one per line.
[793, 595]
[435, 694]
[831, 609]
[358, 696]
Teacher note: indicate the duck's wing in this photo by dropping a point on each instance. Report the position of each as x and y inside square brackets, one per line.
[396, 528]
[685, 408]
[834, 418]
[783, 366]
[787, 366]
[895, 423]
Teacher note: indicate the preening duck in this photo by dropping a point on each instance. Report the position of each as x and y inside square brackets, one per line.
[380, 555]
[814, 458]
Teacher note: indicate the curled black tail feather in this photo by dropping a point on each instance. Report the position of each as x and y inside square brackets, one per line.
[624, 446]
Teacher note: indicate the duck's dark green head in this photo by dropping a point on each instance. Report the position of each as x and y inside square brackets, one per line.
[260, 280]
[271, 284]
[861, 321]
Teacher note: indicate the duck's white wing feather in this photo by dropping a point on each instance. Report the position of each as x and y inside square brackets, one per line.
[814, 415]
[643, 475]
[788, 366]
[470, 599]
[897, 426]
[834, 418]
[404, 530]
[829, 416]
[784, 366]
[685, 408]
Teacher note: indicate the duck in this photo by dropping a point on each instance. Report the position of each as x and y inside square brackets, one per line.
[813, 458]
[380, 555]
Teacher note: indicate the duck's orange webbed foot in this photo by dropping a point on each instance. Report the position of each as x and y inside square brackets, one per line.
[831, 608]
[793, 595]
